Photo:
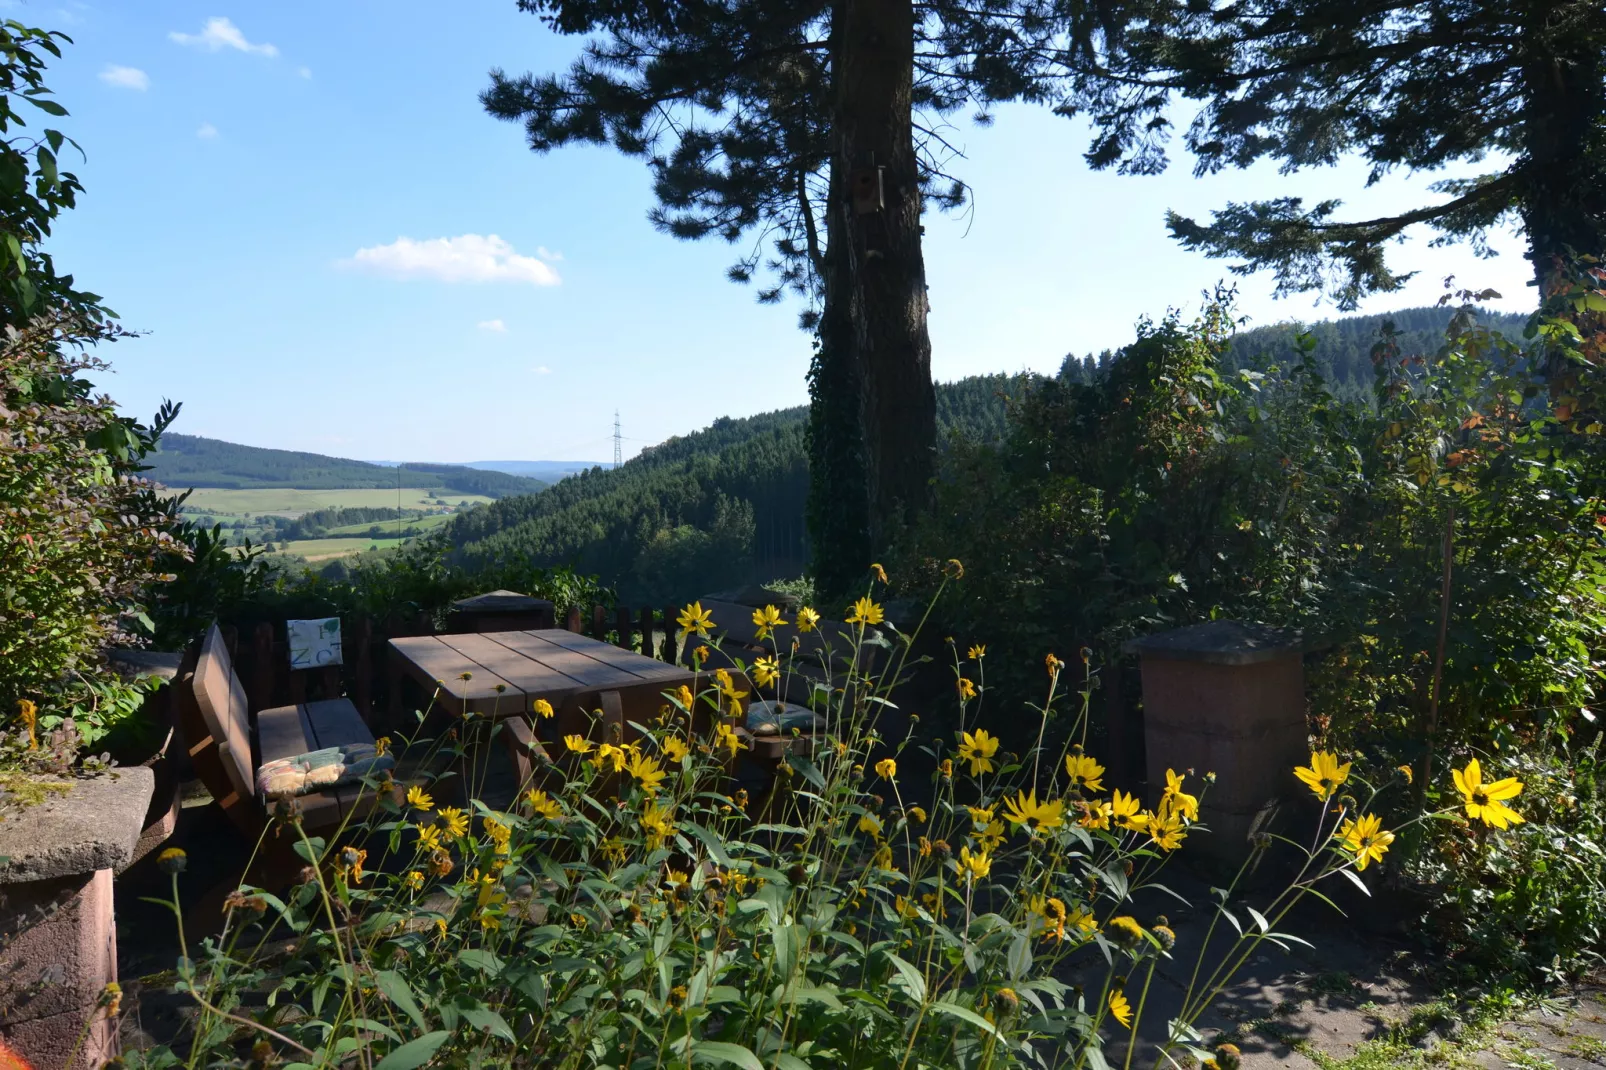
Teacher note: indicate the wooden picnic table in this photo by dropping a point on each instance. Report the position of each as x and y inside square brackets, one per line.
[508, 671]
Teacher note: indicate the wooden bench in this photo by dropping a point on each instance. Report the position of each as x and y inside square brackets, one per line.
[813, 664]
[217, 727]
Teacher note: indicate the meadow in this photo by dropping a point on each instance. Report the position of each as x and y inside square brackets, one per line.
[292, 502]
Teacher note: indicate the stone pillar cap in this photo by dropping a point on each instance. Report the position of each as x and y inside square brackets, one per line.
[93, 825]
[1220, 642]
[131, 662]
[498, 602]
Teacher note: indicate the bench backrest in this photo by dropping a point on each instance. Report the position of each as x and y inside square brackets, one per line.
[220, 701]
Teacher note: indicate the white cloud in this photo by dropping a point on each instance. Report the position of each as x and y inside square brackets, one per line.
[305, 72]
[543, 370]
[207, 132]
[220, 33]
[125, 77]
[465, 258]
[494, 326]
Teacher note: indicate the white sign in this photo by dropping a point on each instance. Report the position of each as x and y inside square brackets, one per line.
[313, 643]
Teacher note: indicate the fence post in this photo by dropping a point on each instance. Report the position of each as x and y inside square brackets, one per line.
[623, 625]
[669, 635]
[573, 621]
[599, 623]
[261, 674]
[363, 669]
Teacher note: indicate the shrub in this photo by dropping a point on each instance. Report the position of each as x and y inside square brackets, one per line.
[633, 907]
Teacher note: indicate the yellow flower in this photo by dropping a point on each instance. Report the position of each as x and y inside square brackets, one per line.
[1486, 802]
[725, 736]
[1366, 839]
[610, 757]
[413, 881]
[543, 708]
[1127, 811]
[978, 750]
[456, 821]
[1082, 920]
[1024, 809]
[701, 653]
[981, 815]
[351, 861]
[883, 859]
[1405, 771]
[685, 697]
[440, 863]
[946, 767]
[1053, 664]
[577, 744]
[917, 815]
[991, 836]
[1120, 1008]
[880, 573]
[1324, 775]
[418, 799]
[973, 866]
[978, 651]
[886, 769]
[966, 688]
[694, 618]
[865, 612]
[767, 619]
[1165, 829]
[674, 749]
[870, 825]
[382, 746]
[1095, 815]
[429, 837]
[28, 711]
[1086, 774]
[645, 770]
[925, 847]
[807, 620]
[766, 671]
[1175, 799]
[613, 849]
[657, 822]
[1126, 931]
[542, 805]
[905, 909]
[498, 832]
[674, 878]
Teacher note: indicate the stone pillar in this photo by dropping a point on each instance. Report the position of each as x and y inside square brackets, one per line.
[58, 930]
[1229, 698]
[501, 611]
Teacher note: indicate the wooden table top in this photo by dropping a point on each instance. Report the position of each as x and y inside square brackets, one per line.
[508, 671]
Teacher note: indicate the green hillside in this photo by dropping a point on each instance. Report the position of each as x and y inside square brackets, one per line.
[1343, 346]
[719, 507]
[191, 461]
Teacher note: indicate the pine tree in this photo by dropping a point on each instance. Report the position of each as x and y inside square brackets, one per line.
[1414, 84]
[812, 131]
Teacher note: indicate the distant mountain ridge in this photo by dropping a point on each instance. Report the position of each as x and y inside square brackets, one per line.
[547, 471]
[192, 461]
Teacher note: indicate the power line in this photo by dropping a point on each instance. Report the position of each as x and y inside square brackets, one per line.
[618, 441]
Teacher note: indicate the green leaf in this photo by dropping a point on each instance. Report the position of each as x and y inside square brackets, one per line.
[395, 988]
[488, 1020]
[710, 841]
[1355, 880]
[912, 979]
[415, 1053]
[49, 107]
[476, 959]
[965, 1014]
[718, 1051]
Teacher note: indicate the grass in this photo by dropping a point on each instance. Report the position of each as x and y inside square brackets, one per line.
[329, 549]
[423, 523]
[292, 503]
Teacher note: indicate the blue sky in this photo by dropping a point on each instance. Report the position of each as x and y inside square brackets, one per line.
[331, 247]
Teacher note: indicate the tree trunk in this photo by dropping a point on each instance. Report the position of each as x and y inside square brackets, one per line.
[873, 418]
[873, 74]
[1564, 205]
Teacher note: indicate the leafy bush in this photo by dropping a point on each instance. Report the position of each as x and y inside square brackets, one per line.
[633, 907]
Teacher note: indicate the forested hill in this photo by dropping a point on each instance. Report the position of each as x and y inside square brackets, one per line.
[191, 461]
[1343, 346]
[720, 507]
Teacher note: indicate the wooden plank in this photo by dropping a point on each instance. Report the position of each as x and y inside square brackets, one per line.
[336, 722]
[280, 733]
[561, 662]
[431, 661]
[623, 660]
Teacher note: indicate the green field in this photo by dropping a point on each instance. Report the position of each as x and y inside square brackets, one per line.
[317, 550]
[292, 503]
[422, 523]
